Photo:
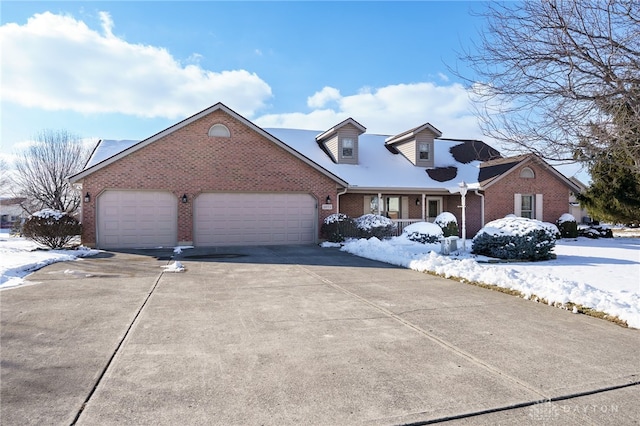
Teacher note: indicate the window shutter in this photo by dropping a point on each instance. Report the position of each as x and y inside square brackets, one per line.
[517, 204]
[539, 206]
[366, 208]
[404, 208]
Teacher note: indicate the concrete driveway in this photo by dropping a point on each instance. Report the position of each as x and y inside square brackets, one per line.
[299, 335]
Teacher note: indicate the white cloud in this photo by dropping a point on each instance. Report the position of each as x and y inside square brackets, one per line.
[388, 110]
[56, 62]
[322, 98]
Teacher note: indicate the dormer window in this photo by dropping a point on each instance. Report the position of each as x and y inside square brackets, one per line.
[424, 151]
[416, 144]
[340, 142]
[347, 148]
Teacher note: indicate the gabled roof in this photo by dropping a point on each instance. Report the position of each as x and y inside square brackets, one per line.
[106, 152]
[409, 134]
[328, 133]
[494, 170]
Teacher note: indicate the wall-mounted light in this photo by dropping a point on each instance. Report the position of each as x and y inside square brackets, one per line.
[87, 197]
[185, 199]
[417, 201]
[328, 200]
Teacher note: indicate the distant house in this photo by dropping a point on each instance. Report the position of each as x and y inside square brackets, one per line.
[11, 211]
[216, 178]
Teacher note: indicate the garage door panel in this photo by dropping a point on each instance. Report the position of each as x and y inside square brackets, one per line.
[254, 218]
[137, 219]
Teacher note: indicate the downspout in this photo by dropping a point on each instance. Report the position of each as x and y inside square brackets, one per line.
[338, 199]
[481, 207]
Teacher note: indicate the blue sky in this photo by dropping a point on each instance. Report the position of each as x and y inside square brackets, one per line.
[130, 69]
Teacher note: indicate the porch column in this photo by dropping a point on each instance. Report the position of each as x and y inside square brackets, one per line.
[424, 207]
[379, 204]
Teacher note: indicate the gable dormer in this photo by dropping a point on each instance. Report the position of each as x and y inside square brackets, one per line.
[417, 144]
[341, 141]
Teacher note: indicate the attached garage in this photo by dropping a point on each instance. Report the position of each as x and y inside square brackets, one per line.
[254, 219]
[137, 219]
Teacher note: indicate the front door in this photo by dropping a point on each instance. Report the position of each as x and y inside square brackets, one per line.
[434, 208]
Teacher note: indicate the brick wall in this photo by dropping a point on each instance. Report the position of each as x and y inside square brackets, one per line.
[555, 196]
[189, 161]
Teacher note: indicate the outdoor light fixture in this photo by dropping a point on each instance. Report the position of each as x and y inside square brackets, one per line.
[87, 197]
[185, 199]
[328, 200]
[417, 201]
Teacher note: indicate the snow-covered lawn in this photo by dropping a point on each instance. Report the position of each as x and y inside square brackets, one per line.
[602, 274]
[19, 257]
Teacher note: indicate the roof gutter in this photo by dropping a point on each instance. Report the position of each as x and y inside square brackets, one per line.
[338, 199]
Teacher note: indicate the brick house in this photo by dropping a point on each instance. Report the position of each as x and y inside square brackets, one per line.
[216, 178]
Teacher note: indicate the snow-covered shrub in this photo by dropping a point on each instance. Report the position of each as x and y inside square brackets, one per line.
[595, 231]
[449, 224]
[516, 238]
[373, 225]
[423, 232]
[567, 226]
[337, 227]
[51, 228]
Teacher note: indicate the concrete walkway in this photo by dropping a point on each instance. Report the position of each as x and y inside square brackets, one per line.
[299, 335]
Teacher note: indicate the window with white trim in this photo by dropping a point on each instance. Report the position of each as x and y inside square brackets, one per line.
[219, 130]
[527, 206]
[423, 151]
[347, 148]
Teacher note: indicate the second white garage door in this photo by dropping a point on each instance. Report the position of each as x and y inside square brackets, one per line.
[254, 219]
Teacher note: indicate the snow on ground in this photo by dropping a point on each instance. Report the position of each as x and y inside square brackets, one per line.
[602, 274]
[19, 257]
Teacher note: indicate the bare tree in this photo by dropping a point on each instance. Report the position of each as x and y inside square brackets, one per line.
[42, 170]
[5, 179]
[553, 72]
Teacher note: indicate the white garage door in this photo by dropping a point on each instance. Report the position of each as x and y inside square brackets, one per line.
[254, 219]
[137, 219]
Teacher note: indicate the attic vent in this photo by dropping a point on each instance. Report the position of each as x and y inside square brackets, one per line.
[527, 173]
[219, 130]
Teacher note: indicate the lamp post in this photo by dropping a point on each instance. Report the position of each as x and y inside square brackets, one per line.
[463, 195]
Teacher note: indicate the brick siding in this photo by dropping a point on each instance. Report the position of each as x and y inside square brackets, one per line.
[189, 161]
[555, 193]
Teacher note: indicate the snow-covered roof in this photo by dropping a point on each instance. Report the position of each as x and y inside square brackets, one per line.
[380, 168]
[107, 149]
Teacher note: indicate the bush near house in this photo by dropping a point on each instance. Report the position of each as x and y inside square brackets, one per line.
[373, 225]
[516, 238]
[595, 231]
[567, 226]
[423, 232]
[51, 228]
[449, 224]
[337, 227]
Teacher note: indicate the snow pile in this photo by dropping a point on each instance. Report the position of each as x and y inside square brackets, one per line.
[426, 228]
[579, 282]
[566, 218]
[49, 214]
[19, 257]
[518, 226]
[178, 249]
[445, 218]
[174, 267]
[370, 221]
[336, 217]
